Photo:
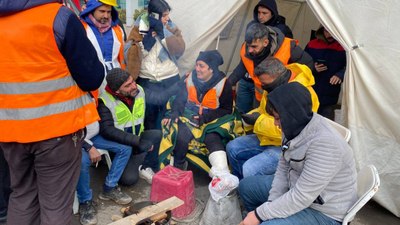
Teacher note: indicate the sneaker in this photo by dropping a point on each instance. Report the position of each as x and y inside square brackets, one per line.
[146, 174]
[116, 195]
[88, 213]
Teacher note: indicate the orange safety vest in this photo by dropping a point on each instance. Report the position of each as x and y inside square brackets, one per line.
[211, 98]
[119, 33]
[283, 54]
[39, 98]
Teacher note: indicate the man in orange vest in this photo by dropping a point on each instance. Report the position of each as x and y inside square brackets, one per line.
[261, 42]
[100, 20]
[48, 65]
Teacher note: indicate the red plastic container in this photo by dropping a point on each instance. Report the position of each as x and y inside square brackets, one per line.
[172, 181]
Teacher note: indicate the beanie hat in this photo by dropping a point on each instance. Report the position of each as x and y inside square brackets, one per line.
[116, 77]
[212, 58]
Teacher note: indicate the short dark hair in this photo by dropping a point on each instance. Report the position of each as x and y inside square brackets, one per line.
[256, 31]
[270, 66]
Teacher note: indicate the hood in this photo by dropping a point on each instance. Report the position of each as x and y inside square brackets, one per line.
[271, 5]
[303, 74]
[13, 6]
[91, 5]
[292, 102]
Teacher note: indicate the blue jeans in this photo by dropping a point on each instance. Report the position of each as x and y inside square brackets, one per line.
[248, 158]
[254, 192]
[121, 157]
[245, 96]
[83, 187]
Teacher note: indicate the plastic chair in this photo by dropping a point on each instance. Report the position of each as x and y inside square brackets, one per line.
[345, 132]
[75, 206]
[367, 185]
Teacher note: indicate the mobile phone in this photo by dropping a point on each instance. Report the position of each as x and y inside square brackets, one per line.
[321, 61]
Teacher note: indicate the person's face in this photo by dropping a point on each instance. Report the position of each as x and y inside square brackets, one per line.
[128, 88]
[257, 46]
[204, 72]
[277, 119]
[102, 14]
[165, 17]
[264, 14]
[328, 36]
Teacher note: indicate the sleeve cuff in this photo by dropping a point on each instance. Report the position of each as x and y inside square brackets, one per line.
[258, 216]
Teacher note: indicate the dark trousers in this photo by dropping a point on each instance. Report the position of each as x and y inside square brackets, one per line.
[4, 184]
[44, 175]
[130, 176]
[156, 99]
[213, 142]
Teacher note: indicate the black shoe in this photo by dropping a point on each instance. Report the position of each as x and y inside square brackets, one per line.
[116, 195]
[182, 166]
[88, 213]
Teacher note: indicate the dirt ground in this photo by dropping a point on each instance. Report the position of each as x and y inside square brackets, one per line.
[371, 214]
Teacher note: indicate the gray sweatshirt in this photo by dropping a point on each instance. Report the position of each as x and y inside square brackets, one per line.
[318, 164]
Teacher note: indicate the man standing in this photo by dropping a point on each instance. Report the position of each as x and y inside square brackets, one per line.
[261, 42]
[315, 182]
[47, 65]
[100, 20]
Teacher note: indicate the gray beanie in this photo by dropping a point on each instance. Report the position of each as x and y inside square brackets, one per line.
[116, 77]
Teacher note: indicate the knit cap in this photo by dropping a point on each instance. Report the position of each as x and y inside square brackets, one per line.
[212, 58]
[116, 77]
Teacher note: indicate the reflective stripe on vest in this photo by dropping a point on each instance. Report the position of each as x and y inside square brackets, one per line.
[39, 98]
[211, 98]
[283, 54]
[123, 117]
[117, 50]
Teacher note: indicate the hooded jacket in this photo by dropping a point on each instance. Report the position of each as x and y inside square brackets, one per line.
[276, 20]
[108, 43]
[276, 38]
[317, 169]
[264, 127]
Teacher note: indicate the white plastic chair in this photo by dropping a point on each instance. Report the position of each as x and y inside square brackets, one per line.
[367, 185]
[345, 132]
[75, 206]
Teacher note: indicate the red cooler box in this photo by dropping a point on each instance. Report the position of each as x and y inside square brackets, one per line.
[172, 181]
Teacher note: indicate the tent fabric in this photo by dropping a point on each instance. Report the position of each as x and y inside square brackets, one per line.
[201, 22]
[367, 30]
[371, 104]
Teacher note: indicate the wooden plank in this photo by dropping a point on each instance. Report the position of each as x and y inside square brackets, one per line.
[149, 211]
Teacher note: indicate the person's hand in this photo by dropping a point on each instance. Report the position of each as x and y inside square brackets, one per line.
[250, 118]
[319, 67]
[250, 219]
[335, 80]
[94, 155]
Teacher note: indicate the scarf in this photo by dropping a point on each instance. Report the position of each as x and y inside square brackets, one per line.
[101, 27]
[129, 101]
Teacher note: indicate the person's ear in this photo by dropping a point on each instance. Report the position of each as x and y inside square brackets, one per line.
[265, 42]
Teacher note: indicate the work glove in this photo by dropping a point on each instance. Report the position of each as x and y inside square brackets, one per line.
[250, 118]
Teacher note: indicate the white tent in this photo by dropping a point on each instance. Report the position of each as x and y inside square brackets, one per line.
[368, 31]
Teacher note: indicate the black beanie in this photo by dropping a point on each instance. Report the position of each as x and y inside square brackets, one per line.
[212, 58]
[116, 77]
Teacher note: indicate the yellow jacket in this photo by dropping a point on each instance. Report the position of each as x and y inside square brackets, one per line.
[264, 127]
